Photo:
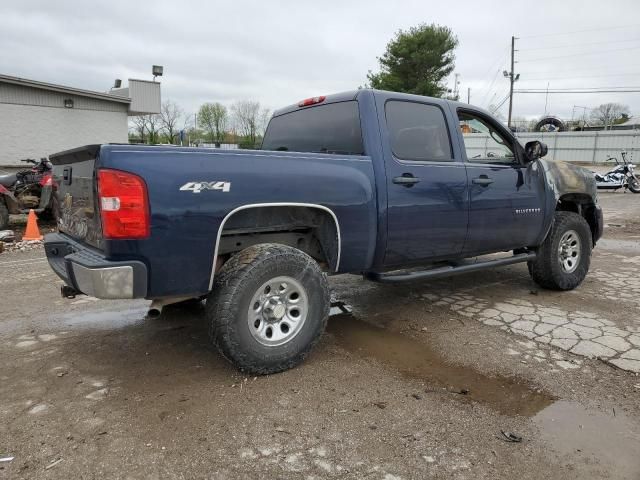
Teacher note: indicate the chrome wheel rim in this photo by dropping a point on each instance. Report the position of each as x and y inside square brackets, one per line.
[277, 311]
[569, 251]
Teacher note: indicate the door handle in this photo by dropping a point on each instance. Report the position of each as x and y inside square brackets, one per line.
[482, 180]
[406, 180]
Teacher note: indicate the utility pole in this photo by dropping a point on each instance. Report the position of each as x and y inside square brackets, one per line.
[456, 91]
[468, 94]
[513, 78]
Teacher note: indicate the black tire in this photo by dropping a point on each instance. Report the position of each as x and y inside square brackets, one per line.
[236, 285]
[547, 269]
[4, 215]
[634, 184]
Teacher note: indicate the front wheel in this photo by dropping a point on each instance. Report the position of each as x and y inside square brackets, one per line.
[269, 306]
[634, 184]
[564, 257]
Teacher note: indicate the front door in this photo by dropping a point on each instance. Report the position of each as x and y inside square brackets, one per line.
[427, 199]
[506, 209]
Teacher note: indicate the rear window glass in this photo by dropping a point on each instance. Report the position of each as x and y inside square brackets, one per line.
[332, 128]
[418, 131]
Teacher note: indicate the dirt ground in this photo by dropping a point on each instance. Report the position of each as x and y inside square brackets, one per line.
[476, 376]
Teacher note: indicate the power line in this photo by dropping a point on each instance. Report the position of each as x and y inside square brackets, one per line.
[577, 91]
[494, 65]
[491, 86]
[580, 31]
[579, 75]
[603, 87]
[578, 45]
[580, 54]
[502, 102]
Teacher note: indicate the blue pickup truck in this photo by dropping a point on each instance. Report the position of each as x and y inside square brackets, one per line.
[392, 186]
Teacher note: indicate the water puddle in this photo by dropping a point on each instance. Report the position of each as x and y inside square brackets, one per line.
[106, 320]
[416, 360]
[610, 443]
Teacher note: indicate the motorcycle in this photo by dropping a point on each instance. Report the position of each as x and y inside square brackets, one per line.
[26, 190]
[622, 176]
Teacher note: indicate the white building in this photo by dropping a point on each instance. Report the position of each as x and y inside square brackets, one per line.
[38, 118]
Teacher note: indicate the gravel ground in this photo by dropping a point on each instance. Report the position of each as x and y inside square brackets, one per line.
[419, 382]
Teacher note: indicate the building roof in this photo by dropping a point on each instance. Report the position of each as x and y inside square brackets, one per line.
[632, 121]
[62, 89]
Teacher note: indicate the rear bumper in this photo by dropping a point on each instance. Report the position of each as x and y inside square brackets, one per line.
[89, 272]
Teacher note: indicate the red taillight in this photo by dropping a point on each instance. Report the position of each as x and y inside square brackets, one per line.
[311, 101]
[124, 205]
[46, 180]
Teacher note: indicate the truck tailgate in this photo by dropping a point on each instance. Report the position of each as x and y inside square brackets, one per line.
[75, 193]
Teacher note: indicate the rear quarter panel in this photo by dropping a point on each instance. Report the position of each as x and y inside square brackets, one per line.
[184, 224]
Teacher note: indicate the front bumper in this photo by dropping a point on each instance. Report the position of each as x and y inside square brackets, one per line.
[89, 272]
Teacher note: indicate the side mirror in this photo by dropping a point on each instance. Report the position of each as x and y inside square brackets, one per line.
[535, 150]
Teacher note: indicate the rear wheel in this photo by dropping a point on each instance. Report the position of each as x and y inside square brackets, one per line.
[4, 215]
[564, 257]
[268, 308]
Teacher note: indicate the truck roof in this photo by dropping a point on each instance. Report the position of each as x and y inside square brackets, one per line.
[353, 95]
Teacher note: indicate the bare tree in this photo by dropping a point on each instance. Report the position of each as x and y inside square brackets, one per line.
[213, 118]
[607, 113]
[139, 126]
[170, 116]
[250, 119]
[153, 127]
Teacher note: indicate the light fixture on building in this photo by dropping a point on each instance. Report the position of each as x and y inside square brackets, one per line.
[68, 103]
[156, 70]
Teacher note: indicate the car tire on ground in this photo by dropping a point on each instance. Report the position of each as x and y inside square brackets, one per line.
[564, 257]
[268, 308]
[4, 215]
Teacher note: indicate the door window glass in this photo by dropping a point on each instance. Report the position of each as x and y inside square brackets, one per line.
[418, 131]
[482, 141]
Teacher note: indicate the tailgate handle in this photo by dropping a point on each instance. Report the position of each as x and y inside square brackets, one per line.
[66, 176]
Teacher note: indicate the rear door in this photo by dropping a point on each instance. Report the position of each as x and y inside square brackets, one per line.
[74, 194]
[427, 200]
[506, 196]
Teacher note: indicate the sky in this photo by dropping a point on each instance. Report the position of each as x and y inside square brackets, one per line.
[278, 52]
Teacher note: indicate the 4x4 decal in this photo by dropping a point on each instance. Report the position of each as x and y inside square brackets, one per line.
[197, 187]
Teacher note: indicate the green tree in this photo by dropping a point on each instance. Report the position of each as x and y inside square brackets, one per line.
[213, 119]
[417, 61]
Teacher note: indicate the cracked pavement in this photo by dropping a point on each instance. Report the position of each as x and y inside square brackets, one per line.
[582, 333]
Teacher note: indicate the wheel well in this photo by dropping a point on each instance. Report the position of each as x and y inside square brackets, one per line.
[313, 230]
[583, 205]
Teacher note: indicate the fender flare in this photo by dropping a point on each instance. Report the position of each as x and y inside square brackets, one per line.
[277, 204]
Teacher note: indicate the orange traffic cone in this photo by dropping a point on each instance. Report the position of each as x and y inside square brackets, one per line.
[33, 232]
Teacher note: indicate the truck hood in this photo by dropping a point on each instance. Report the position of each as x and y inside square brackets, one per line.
[564, 178]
